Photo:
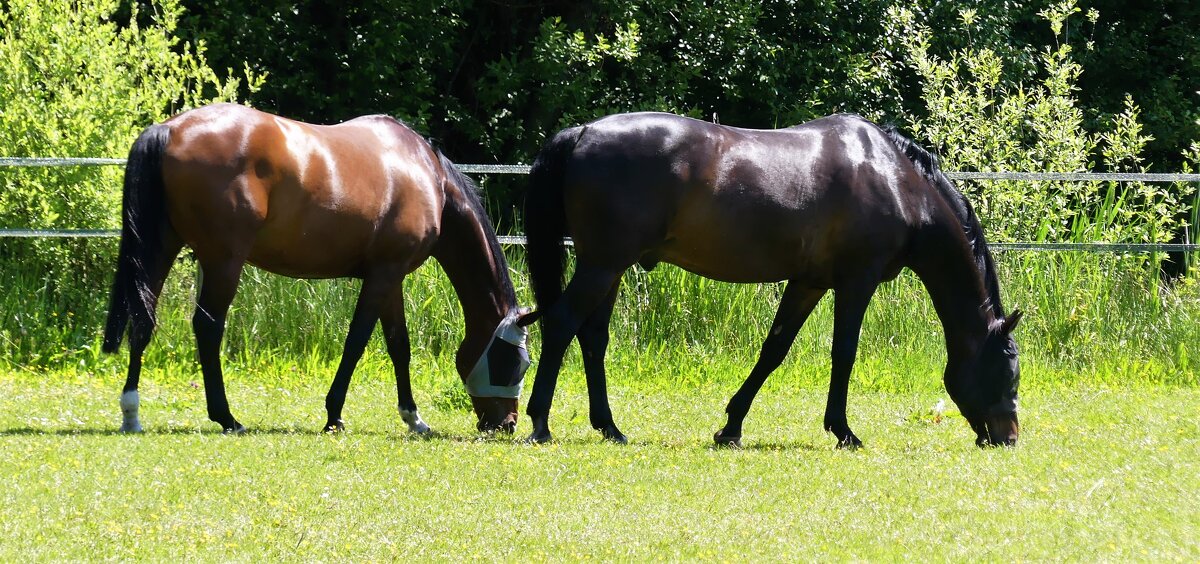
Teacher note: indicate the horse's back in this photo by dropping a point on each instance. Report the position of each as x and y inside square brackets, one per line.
[301, 199]
[738, 204]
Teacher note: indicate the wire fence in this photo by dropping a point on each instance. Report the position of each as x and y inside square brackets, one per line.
[524, 169]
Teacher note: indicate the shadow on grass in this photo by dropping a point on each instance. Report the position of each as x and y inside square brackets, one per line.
[178, 431]
[773, 446]
[406, 436]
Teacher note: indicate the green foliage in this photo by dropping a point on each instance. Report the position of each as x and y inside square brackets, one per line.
[996, 96]
[77, 82]
[979, 121]
[330, 61]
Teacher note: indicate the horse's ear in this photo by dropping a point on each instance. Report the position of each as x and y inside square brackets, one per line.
[1011, 321]
[527, 317]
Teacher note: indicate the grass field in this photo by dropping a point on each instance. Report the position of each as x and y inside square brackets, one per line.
[1101, 473]
[1106, 469]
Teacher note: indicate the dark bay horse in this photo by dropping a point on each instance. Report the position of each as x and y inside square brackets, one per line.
[368, 199]
[834, 204]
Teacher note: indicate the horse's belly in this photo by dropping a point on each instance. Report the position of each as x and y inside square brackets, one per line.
[732, 260]
[317, 253]
[306, 258]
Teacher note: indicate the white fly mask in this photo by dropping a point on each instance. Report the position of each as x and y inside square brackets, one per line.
[500, 372]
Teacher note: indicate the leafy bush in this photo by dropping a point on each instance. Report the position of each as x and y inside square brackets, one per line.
[979, 122]
[75, 81]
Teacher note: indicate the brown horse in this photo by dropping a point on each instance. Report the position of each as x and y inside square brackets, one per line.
[836, 203]
[368, 199]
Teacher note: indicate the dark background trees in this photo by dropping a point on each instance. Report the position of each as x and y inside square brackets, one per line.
[490, 79]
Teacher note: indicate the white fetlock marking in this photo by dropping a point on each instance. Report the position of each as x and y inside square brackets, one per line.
[414, 422]
[129, 413]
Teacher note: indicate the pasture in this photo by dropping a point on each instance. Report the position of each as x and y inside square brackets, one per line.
[1100, 473]
[1106, 468]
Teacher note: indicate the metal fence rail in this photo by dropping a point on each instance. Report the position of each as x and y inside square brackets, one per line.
[519, 240]
[524, 169]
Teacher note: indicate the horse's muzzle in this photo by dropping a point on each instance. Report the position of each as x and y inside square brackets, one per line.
[999, 430]
[495, 414]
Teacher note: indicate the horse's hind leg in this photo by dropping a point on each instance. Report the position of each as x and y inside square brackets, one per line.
[593, 343]
[794, 308]
[141, 329]
[395, 334]
[588, 288]
[849, 307]
[219, 281]
[375, 290]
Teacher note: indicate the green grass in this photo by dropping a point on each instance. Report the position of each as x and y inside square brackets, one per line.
[1089, 318]
[1106, 467]
[1101, 473]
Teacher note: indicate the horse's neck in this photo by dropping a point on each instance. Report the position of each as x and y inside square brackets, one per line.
[958, 292]
[479, 277]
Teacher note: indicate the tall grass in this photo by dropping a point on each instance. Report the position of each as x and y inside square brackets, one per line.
[1091, 317]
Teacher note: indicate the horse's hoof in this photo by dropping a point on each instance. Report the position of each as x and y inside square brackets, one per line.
[610, 432]
[421, 430]
[539, 438]
[237, 429]
[727, 441]
[335, 426]
[849, 443]
[130, 428]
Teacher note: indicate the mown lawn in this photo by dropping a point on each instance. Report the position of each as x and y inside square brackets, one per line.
[1100, 474]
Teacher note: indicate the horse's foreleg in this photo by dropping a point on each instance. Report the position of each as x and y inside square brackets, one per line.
[849, 307]
[589, 287]
[371, 297]
[794, 308]
[395, 334]
[141, 328]
[593, 343]
[218, 285]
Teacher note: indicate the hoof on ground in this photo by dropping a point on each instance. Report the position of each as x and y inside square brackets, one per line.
[614, 435]
[134, 428]
[536, 438]
[421, 430]
[335, 427]
[237, 430]
[727, 441]
[849, 443]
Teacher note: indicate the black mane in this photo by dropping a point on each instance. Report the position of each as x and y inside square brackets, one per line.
[927, 164]
[471, 197]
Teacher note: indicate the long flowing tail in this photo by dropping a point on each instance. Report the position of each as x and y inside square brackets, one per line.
[142, 220]
[545, 218]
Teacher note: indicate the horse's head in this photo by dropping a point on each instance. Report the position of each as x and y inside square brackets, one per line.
[494, 384]
[986, 388]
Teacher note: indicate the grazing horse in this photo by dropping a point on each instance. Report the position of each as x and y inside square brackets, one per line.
[368, 199]
[833, 204]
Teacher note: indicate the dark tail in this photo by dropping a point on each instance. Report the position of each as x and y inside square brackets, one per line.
[545, 218]
[142, 220]
[927, 163]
